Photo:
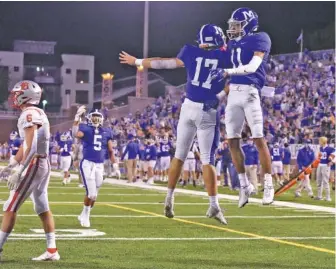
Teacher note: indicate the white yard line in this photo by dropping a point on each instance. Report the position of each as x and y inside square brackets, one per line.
[193, 217]
[171, 239]
[225, 196]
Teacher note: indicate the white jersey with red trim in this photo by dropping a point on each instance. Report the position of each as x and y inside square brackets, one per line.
[29, 117]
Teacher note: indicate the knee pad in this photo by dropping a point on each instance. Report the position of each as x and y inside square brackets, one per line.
[181, 155]
[207, 159]
[257, 130]
[39, 208]
[92, 197]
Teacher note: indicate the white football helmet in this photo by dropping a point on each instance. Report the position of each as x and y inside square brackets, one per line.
[13, 135]
[25, 92]
[95, 118]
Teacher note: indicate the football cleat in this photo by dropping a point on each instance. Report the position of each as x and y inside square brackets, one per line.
[84, 221]
[169, 208]
[217, 214]
[244, 194]
[297, 194]
[268, 195]
[47, 256]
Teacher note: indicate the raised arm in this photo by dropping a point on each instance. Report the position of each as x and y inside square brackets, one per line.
[154, 63]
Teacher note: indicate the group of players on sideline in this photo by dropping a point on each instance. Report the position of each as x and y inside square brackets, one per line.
[209, 65]
[151, 159]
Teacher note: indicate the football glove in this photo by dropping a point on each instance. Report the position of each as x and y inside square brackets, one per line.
[80, 112]
[14, 180]
[217, 74]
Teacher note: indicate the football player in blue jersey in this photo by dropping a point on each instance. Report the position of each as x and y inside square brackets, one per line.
[96, 142]
[249, 51]
[65, 148]
[199, 109]
[277, 154]
[15, 143]
[323, 170]
[165, 148]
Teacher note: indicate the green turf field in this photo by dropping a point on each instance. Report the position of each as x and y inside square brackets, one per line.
[129, 231]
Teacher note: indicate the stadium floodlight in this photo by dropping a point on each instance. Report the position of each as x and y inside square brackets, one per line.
[107, 76]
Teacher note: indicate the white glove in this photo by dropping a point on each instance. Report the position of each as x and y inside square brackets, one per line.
[14, 180]
[80, 111]
[115, 166]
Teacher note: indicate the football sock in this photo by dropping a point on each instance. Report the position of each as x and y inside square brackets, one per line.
[268, 179]
[51, 241]
[3, 238]
[214, 201]
[170, 194]
[243, 180]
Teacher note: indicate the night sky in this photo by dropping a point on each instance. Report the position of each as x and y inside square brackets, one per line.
[105, 28]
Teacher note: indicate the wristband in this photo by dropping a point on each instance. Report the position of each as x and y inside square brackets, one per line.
[138, 62]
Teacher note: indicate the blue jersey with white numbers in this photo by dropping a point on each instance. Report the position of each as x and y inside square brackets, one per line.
[325, 154]
[151, 153]
[15, 145]
[65, 147]
[95, 143]
[165, 149]
[242, 52]
[276, 154]
[198, 63]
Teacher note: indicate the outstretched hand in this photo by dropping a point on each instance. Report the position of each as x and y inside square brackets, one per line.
[126, 58]
[218, 74]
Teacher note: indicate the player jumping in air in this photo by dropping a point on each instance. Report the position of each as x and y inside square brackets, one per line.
[199, 109]
[31, 178]
[249, 51]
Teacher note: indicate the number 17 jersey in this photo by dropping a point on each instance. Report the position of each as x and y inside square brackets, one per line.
[95, 142]
[198, 63]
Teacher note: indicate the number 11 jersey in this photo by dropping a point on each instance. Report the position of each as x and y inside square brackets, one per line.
[198, 63]
[95, 142]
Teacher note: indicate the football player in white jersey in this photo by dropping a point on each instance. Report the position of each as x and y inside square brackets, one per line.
[31, 178]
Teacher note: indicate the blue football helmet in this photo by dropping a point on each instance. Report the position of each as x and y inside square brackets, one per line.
[211, 35]
[243, 21]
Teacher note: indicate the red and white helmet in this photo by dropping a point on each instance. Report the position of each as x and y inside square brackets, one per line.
[25, 92]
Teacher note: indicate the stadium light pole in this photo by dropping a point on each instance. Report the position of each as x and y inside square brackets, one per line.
[146, 24]
[44, 103]
[142, 73]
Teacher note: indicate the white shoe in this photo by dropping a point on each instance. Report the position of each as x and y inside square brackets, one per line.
[84, 221]
[268, 194]
[328, 199]
[69, 180]
[47, 256]
[217, 214]
[64, 182]
[244, 194]
[297, 194]
[150, 181]
[80, 186]
[169, 208]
